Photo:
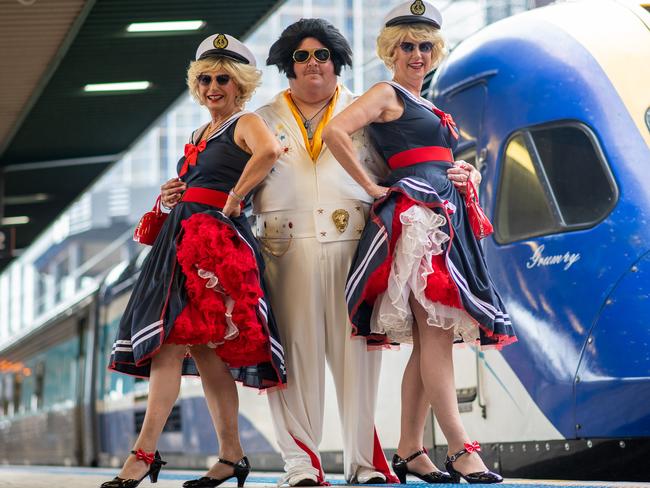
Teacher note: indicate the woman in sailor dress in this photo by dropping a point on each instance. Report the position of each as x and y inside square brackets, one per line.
[199, 304]
[419, 275]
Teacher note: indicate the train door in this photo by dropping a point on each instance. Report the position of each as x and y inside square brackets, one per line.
[550, 259]
[466, 104]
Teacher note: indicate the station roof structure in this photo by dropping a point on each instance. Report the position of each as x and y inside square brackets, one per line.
[56, 135]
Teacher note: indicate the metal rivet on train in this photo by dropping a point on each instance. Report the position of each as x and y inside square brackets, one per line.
[609, 301]
[578, 426]
[577, 379]
[548, 446]
[621, 444]
[634, 269]
[590, 340]
[567, 447]
[590, 444]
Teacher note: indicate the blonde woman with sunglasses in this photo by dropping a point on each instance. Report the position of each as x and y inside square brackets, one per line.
[199, 305]
[419, 276]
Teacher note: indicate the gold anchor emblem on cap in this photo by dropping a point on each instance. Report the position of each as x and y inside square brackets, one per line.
[418, 8]
[340, 218]
[220, 42]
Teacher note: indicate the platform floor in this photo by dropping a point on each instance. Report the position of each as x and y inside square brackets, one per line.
[63, 477]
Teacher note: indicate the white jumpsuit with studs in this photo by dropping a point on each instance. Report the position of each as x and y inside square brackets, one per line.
[307, 262]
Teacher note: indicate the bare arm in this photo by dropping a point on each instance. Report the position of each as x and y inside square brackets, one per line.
[378, 104]
[253, 136]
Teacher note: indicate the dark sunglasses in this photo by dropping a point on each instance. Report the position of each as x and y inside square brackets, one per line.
[206, 80]
[321, 54]
[424, 47]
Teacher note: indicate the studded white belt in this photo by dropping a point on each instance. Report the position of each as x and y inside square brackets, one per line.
[339, 221]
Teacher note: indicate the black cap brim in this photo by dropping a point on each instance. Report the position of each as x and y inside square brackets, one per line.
[224, 53]
[412, 19]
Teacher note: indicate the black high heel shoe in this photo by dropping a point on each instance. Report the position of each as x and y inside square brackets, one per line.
[401, 470]
[486, 476]
[242, 468]
[155, 463]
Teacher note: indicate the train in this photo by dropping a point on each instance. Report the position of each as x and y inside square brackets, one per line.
[553, 107]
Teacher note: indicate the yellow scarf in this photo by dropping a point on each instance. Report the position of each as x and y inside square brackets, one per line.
[316, 144]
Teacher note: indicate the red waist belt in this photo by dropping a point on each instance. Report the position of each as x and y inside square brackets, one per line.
[206, 196]
[420, 155]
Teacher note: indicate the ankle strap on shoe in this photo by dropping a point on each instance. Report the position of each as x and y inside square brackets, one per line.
[467, 448]
[147, 457]
[242, 462]
[414, 455]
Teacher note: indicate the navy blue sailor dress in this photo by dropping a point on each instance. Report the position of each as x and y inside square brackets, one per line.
[202, 282]
[418, 241]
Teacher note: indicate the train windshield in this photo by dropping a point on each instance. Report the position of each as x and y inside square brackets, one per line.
[554, 179]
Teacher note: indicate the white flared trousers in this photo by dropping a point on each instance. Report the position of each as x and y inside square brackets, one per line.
[307, 286]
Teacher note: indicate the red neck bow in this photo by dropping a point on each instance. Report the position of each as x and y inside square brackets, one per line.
[191, 154]
[447, 121]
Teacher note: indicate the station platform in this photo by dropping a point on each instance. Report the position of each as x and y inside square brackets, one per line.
[73, 477]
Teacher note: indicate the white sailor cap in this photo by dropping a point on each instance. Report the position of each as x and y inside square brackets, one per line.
[414, 12]
[225, 46]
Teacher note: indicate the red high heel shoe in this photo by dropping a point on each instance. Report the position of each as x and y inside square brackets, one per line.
[486, 476]
[155, 463]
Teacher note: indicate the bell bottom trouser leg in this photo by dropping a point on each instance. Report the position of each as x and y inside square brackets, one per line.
[307, 294]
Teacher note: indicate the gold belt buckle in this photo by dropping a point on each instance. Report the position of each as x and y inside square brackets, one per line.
[341, 218]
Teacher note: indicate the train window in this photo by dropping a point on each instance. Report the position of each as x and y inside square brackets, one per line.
[60, 374]
[579, 180]
[28, 400]
[39, 380]
[17, 389]
[522, 208]
[3, 396]
[7, 388]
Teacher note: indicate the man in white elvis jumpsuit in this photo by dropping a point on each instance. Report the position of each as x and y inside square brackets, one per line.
[309, 217]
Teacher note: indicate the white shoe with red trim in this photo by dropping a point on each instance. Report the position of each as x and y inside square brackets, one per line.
[368, 476]
[299, 475]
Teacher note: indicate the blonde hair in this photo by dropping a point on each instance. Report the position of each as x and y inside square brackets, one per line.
[391, 37]
[246, 77]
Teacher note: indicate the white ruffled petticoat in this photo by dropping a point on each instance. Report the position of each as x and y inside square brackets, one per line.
[213, 282]
[420, 240]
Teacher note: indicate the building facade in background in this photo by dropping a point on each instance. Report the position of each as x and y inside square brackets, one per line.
[74, 255]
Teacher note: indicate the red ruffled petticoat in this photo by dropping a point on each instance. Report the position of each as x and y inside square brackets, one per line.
[440, 286]
[221, 273]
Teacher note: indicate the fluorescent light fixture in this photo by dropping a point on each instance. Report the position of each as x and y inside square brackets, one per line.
[23, 219]
[180, 25]
[27, 199]
[112, 87]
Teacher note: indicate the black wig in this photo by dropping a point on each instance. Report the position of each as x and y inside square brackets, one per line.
[281, 52]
